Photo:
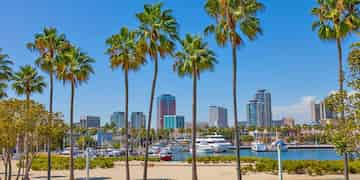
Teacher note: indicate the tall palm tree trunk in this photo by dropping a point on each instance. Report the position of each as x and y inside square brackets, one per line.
[127, 125]
[5, 162]
[237, 141]
[50, 123]
[71, 130]
[26, 144]
[153, 86]
[9, 166]
[194, 170]
[342, 113]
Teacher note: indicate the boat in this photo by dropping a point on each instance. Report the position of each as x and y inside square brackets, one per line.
[165, 155]
[217, 142]
[203, 147]
[258, 147]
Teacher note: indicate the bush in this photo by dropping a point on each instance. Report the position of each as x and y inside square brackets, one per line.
[62, 163]
[310, 167]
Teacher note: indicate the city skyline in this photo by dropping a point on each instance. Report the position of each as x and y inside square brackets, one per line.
[259, 65]
[306, 108]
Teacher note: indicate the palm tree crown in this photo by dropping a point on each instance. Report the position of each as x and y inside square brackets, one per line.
[48, 44]
[28, 81]
[336, 19]
[231, 14]
[158, 28]
[195, 57]
[125, 50]
[5, 72]
[74, 66]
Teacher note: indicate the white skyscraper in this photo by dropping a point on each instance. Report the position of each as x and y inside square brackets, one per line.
[315, 112]
[218, 117]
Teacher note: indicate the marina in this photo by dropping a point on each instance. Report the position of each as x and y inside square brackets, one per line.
[291, 154]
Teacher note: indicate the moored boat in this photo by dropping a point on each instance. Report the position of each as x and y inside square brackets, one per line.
[258, 146]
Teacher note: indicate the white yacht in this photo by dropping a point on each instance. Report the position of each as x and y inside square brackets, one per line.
[258, 146]
[203, 147]
[217, 142]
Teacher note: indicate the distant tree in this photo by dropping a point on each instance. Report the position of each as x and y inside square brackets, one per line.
[91, 131]
[86, 141]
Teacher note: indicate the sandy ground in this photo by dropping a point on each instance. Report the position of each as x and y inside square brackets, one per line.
[174, 171]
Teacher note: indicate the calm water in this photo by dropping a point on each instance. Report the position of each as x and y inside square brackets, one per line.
[291, 154]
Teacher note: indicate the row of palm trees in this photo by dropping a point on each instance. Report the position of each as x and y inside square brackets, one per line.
[61, 59]
[58, 58]
[157, 36]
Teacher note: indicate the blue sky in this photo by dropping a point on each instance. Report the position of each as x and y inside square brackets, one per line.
[288, 60]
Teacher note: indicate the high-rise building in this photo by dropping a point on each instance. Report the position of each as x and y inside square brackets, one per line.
[166, 105]
[289, 121]
[174, 122]
[315, 112]
[258, 110]
[325, 112]
[90, 122]
[118, 118]
[137, 120]
[254, 111]
[218, 117]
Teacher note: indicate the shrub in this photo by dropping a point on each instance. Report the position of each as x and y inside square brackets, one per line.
[62, 163]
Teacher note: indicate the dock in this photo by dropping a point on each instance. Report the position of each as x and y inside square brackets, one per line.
[302, 146]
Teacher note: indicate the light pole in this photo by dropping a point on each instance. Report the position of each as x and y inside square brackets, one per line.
[279, 161]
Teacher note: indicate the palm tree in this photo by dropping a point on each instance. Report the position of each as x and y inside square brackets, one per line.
[158, 30]
[48, 44]
[74, 67]
[337, 19]
[27, 81]
[234, 19]
[5, 73]
[194, 58]
[125, 53]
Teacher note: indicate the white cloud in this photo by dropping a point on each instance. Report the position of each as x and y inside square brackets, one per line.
[299, 110]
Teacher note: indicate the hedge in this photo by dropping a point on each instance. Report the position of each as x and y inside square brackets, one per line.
[62, 163]
[310, 167]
